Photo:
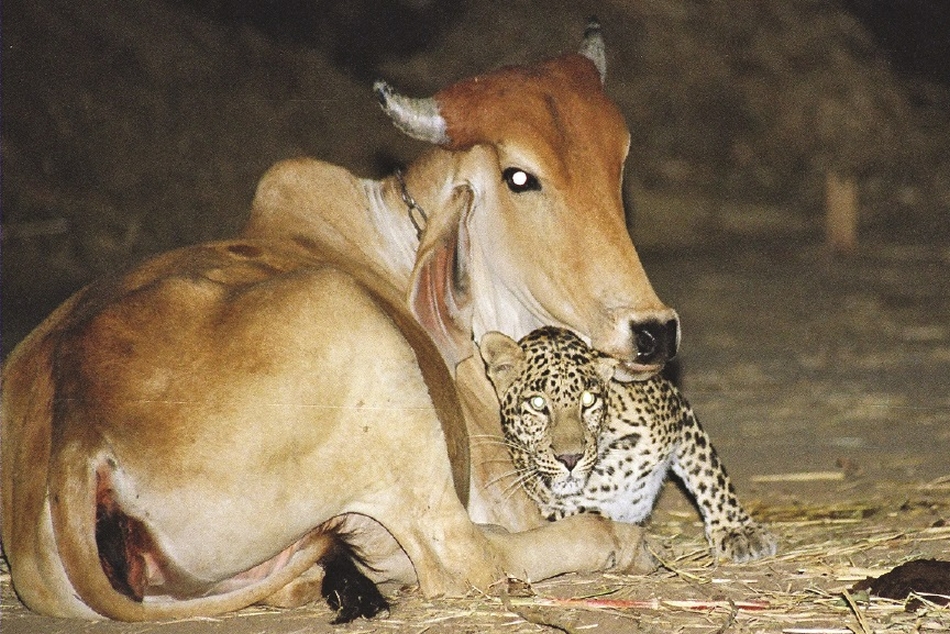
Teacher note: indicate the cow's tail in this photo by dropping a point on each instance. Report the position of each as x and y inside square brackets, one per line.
[77, 502]
[27, 400]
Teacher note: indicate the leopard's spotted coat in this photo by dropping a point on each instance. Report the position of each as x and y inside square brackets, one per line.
[583, 442]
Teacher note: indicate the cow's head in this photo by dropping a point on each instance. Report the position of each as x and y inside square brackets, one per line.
[539, 237]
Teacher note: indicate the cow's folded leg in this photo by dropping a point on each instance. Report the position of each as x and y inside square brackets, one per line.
[453, 556]
[580, 543]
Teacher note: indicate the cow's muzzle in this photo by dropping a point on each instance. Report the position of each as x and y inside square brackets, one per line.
[655, 343]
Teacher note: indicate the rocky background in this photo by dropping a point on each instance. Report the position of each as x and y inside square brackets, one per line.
[133, 127]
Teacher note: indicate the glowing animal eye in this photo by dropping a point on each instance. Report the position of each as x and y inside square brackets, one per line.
[587, 398]
[537, 403]
[519, 180]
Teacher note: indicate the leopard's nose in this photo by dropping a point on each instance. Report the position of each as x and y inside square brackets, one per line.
[569, 460]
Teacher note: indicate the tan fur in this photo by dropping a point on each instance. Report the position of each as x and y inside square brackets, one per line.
[239, 399]
[553, 387]
[246, 394]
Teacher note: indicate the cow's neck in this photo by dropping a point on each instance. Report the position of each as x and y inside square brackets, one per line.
[497, 308]
[390, 223]
[395, 224]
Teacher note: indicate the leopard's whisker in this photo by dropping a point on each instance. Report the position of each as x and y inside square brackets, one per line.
[494, 460]
[529, 479]
[520, 482]
[487, 439]
[520, 479]
[507, 474]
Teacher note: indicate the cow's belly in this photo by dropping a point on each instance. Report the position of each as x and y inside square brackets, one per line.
[244, 497]
[217, 521]
[241, 419]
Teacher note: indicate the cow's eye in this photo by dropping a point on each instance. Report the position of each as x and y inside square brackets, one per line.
[519, 180]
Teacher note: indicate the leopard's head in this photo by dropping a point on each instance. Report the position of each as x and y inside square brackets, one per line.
[551, 387]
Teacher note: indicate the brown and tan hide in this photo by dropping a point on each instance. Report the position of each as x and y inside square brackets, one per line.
[191, 436]
[491, 258]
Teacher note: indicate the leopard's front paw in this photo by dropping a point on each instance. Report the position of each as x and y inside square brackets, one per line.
[742, 543]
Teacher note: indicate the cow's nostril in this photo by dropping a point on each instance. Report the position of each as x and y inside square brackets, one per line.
[656, 342]
[646, 343]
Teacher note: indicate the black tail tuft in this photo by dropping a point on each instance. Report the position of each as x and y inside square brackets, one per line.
[347, 590]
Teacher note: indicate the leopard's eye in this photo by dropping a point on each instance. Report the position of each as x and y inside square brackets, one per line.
[537, 403]
[587, 398]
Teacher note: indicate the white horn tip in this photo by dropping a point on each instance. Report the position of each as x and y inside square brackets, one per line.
[382, 90]
[593, 47]
[419, 118]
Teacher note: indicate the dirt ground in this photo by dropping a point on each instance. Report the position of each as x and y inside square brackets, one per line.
[824, 384]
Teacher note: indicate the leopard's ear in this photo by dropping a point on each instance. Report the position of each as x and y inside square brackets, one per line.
[504, 360]
[605, 367]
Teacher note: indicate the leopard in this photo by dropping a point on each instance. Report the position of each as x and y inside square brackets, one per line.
[583, 442]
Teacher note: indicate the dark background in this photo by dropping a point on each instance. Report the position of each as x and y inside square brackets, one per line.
[133, 127]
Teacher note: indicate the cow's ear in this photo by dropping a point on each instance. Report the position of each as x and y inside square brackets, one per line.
[439, 295]
[504, 360]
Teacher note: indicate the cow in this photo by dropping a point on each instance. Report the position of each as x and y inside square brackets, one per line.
[196, 434]
[509, 257]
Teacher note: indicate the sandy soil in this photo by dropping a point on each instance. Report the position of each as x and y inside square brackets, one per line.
[823, 383]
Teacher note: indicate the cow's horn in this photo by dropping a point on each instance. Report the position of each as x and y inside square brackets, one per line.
[419, 118]
[592, 47]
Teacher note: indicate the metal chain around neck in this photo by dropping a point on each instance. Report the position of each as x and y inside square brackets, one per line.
[413, 206]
